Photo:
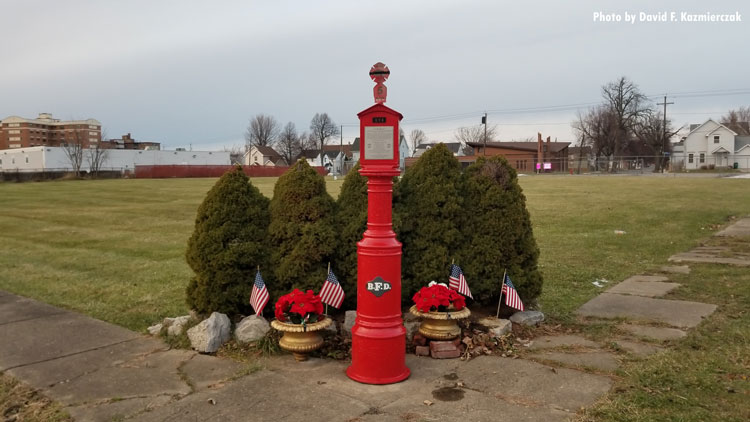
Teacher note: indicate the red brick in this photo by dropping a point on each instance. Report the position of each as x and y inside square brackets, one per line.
[422, 351]
[439, 346]
[456, 341]
[446, 354]
[419, 340]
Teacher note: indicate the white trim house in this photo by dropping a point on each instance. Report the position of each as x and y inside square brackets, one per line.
[712, 144]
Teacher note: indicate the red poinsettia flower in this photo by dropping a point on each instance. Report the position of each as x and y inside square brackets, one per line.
[298, 307]
[438, 297]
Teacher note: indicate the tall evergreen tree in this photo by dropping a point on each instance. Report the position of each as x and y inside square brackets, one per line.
[301, 232]
[227, 245]
[497, 233]
[351, 221]
[429, 214]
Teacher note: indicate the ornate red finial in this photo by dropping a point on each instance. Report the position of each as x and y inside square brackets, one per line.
[379, 73]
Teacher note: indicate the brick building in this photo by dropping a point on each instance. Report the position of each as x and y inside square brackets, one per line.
[127, 142]
[19, 132]
[524, 156]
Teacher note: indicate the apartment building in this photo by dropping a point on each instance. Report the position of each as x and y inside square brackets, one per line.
[20, 132]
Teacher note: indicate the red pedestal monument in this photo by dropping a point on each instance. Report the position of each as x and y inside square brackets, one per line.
[378, 335]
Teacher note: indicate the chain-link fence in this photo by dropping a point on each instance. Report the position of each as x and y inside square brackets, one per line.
[37, 175]
[634, 165]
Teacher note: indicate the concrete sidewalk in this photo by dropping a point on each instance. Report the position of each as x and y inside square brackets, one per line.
[101, 372]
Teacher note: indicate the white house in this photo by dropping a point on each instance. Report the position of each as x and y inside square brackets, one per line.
[455, 147]
[403, 151]
[54, 158]
[262, 156]
[712, 144]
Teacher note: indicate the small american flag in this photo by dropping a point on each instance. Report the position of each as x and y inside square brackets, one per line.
[259, 295]
[511, 296]
[332, 293]
[458, 281]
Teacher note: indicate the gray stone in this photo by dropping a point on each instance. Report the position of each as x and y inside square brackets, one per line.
[332, 327]
[675, 269]
[210, 334]
[678, 313]
[154, 330]
[638, 349]
[497, 327]
[551, 342]
[656, 333]
[412, 327]
[643, 288]
[646, 278]
[596, 360]
[740, 228]
[349, 319]
[177, 325]
[408, 317]
[527, 317]
[252, 328]
[703, 258]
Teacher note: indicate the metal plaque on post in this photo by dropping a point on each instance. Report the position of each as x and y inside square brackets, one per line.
[378, 143]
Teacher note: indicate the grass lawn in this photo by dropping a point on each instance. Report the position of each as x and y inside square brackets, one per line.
[703, 377]
[114, 249]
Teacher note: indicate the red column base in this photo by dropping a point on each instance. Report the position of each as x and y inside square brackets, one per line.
[378, 355]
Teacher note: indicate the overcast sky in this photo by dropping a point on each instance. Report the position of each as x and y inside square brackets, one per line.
[193, 72]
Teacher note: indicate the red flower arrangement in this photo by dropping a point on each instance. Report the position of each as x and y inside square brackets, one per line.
[299, 308]
[438, 297]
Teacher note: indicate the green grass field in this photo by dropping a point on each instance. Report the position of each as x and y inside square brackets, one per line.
[114, 249]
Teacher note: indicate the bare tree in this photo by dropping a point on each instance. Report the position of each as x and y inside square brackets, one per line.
[235, 154]
[96, 156]
[738, 120]
[526, 139]
[306, 142]
[475, 134]
[322, 128]
[417, 137]
[627, 105]
[597, 128]
[651, 131]
[262, 131]
[289, 145]
[74, 151]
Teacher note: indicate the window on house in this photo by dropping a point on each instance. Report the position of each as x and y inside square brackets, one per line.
[27, 160]
[690, 158]
[716, 139]
[702, 158]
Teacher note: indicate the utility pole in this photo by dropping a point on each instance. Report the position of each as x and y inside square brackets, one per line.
[341, 148]
[484, 122]
[664, 133]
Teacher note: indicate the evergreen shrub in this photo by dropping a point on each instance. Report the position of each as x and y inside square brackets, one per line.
[497, 233]
[227, 245]
[301, 234]
[429, 215]
[351, 223]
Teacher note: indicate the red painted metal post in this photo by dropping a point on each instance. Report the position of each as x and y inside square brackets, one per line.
[378, 335]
